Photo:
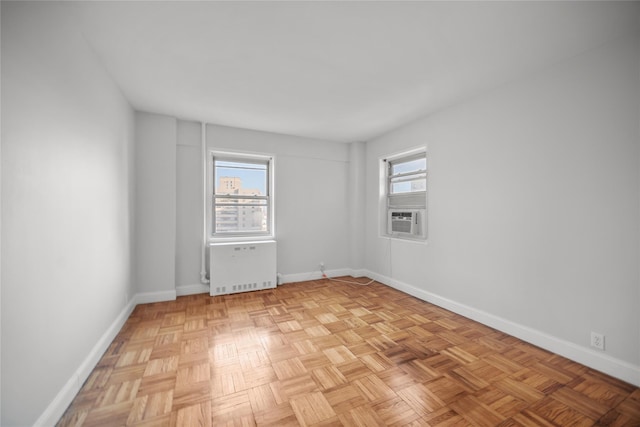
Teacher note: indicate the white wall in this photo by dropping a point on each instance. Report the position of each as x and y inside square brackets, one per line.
[67, 188]
[357, 175]
[155, 206]
[533, 204]
[189, 204]
[311, 202]
[313, 212]
[311, 197]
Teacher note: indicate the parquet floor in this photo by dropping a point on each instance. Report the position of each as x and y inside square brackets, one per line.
[323, 353]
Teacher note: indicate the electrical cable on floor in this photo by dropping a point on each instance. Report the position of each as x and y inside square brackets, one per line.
[351, 282]
[324, 276]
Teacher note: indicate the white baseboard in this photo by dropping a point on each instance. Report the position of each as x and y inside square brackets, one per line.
[65, 396]
[360, 273]
[591, 358]
[314, 275]
[197, 288]
[149, 297]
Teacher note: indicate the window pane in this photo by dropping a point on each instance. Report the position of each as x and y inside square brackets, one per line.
[240, 178]
[240, 215]
[409, 166]
[419, 184]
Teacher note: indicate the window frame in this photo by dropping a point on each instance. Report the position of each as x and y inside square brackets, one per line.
[240, 157]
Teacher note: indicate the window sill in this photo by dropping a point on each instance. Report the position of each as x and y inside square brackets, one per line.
[417, 240]
[237, 239]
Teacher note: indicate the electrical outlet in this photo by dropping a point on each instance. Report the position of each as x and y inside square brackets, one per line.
[597, 341]
[321, 265]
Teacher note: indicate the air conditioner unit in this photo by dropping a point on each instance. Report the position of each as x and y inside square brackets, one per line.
[405, 222]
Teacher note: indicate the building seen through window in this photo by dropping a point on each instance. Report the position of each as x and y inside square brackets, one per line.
[239, 214]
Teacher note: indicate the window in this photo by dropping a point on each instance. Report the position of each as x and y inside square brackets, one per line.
[242, 195]
[405, 210]
[408, 175]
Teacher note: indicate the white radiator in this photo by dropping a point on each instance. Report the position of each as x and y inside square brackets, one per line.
[241, 267]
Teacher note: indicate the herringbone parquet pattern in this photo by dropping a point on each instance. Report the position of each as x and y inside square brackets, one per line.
[323, 353]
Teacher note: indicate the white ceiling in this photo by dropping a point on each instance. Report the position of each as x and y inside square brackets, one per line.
[341, 71]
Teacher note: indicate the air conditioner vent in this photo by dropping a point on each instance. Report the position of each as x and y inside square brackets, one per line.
[408, 222]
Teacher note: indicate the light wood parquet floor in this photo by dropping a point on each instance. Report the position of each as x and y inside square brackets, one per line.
[324, 353]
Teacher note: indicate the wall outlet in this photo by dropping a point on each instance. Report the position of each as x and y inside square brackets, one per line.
[321, 265]
[597, 341]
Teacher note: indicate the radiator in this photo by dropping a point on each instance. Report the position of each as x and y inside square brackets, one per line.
[242, 267]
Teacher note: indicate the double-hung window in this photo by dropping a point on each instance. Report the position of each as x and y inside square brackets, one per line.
[242, 199]
[407, 175]
[406, 195]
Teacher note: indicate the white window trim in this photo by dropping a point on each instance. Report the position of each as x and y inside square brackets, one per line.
[383, 199]
[241, 237]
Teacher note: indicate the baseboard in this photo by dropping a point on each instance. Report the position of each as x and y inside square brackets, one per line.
[602, 362]
[149, 297]
[197, 288]
[360, 273]
[314, 275]
[65, 396]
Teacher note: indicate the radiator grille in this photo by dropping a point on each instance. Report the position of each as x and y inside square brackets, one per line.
[242, 267]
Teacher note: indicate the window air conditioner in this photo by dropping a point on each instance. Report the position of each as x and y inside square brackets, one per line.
[404, 222]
